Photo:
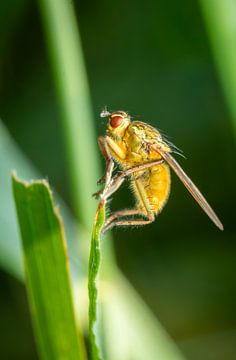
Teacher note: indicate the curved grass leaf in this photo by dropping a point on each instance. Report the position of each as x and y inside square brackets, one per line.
[47, 272]
[11, 157]
[94, 264]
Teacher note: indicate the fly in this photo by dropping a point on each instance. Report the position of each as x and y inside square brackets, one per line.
[145, 157]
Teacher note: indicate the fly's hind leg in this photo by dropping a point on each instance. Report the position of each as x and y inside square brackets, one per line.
[125, 218]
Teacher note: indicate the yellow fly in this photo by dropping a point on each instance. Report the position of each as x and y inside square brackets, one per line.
[144, 156]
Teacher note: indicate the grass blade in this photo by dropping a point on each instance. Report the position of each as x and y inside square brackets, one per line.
[11, 157]
[64, 46]
[47, 272]
[220, 21]
[94, 264]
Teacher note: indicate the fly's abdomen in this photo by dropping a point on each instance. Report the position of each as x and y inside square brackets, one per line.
[155, 185]
[159, 187]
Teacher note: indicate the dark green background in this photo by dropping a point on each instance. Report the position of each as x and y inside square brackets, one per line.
[152, 59]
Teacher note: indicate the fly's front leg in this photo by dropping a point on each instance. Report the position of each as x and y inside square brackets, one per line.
[103, 145]
[106, 178]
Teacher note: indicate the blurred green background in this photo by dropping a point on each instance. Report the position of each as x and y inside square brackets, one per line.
[155, 61]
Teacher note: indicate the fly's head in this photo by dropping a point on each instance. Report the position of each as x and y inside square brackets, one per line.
[118, 121]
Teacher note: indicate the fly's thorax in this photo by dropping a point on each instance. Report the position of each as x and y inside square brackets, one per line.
[142, 142]
[134, 144]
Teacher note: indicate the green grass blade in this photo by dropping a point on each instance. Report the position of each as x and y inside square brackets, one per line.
[220, 21]
[94, 265]
[64, 46]
[11, 157]
[47, 272]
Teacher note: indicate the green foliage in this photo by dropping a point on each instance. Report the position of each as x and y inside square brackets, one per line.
[47, 272]
[155, 65]
[72, 88]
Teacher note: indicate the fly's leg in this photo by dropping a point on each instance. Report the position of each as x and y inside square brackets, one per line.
[125, 217]
[109, 161]
[106, 178]
[113, 186]
[118, 219]
[117, 181]
[141, 167]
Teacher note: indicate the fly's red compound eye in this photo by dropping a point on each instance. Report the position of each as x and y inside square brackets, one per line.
[116, 121]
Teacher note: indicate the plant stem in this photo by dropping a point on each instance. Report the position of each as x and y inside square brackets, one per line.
[94, 265]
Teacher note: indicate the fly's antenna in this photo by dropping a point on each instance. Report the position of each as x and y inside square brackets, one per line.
[105, 113]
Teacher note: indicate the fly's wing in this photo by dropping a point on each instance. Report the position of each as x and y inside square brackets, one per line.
[191, 187]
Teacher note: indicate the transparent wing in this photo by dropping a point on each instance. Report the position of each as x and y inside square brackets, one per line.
[191, 188]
